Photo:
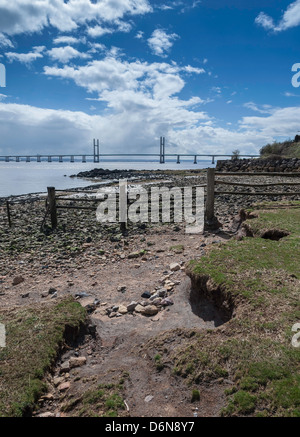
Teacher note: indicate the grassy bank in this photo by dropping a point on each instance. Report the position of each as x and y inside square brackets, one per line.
[34, 336]
[251, 356]
[286, 149]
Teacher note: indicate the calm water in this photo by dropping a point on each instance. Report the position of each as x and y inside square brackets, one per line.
[34, 177]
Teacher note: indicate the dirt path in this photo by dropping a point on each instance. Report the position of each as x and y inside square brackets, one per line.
[115, 349]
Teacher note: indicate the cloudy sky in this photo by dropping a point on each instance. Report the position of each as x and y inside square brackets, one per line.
[209, 75]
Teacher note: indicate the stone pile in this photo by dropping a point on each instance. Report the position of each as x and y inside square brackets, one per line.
[271, 165]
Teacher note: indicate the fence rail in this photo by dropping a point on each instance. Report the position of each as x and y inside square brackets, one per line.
[210, 218]
[53, 199]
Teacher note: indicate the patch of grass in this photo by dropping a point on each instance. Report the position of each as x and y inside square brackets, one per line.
[242, 403]
[178, 248]
[158, 363]
[105, 400]
[195, 395]
[260, 279]
[34, 337]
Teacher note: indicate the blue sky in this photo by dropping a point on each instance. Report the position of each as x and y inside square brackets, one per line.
[211, 76]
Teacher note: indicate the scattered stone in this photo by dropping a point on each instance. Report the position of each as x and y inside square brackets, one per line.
[77, 362]
[122, 309]
[52, 290]
[131, 306]
[65, 367]
[148, 398]
[174, 267]
[139, 308]
[167, 301]
[157, 301]
[47, 397]
[25, 295]
[46, 414]
[18, 280]
[150, 310]
[121, 289]
[81, 295]
[161, 292]
[57, 380]
[64, 386]
[146, 295]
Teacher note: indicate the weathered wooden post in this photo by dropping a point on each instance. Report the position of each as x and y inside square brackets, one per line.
[8, 213]
[52, 206]
[211, 222]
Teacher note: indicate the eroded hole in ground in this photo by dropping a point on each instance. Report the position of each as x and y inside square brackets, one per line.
[207, 310]
[274, 234]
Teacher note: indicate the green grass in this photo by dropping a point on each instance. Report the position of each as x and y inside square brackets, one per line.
[260, 278]
[105, 400]
[286, 149]
[34, 337]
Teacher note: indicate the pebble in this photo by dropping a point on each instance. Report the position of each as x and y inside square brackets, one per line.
[174, 267]
[122, 309]
[18, 280]
[77, 362]
[131, 306]
[64, 386]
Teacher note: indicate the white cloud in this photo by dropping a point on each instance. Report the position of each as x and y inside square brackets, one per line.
[160, 42]
[26, 58]
[5, 42]
[64, 39]
[64, 54]
[263, 109]
[21, 16]
[282, 122]
[54, 129]
[289, 19]
[139, 34]
[265, 21]
[196, 70]
[138, 119]
[97, 31]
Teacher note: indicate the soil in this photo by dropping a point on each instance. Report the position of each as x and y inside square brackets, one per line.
[115, 348]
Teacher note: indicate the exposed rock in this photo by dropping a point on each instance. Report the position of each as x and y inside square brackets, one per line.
[18, 280]
[122, 309]
[64, 386]
[131, 306]
[77, 362]
[150, 310]
[174, 267]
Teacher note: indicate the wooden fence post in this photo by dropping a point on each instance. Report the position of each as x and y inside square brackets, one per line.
[211, 222]
[52, 206]
[8, 213]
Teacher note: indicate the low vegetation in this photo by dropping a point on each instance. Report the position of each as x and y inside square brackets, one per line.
[34, 337]
[285, 149]
[251, 355]
[104, 400]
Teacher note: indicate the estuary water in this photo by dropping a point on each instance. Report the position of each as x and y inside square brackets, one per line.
[18, 178]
